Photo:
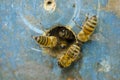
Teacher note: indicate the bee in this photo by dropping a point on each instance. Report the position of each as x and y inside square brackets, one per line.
[87, 29]
[46, 41]
[66, 34]
[52, 43]
[62, 43]
[70, 56]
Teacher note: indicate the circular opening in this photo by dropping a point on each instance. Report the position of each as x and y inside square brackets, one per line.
[64, 41]
[49, 5]
[49, 2]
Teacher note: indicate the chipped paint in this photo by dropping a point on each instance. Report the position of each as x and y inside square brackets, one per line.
[98, 37]
[104, 66]
[49, 5]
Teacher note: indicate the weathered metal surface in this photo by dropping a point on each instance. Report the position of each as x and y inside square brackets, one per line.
[21, 58]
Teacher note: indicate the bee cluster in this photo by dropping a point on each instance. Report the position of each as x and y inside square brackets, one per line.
[62, 43]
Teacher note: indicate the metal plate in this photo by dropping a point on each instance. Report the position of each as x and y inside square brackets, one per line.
[21, 58]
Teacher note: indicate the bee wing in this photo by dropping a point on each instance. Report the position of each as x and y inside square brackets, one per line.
[38, 50]
[77, 24]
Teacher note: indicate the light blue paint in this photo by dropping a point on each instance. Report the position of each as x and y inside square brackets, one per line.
[30, 26]
[16, 43]
[103, 2]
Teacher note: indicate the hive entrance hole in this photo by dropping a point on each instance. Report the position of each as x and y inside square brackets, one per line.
[49, 2]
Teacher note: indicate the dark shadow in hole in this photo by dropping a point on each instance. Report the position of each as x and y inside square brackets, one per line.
[49, 2]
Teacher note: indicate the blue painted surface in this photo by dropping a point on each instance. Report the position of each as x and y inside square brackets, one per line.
[22, 59]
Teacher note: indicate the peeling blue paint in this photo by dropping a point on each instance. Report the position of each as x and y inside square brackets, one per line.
[18, 49]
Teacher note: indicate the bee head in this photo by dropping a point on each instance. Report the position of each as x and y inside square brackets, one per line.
[60, 65]
[62, 33]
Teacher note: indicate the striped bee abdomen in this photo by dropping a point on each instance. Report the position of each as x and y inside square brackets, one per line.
[73, 51]
[70, 56]
[87, 29]
[89, 26]
[64, 61]
[46, 41]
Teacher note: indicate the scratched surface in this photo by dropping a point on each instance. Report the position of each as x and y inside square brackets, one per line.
[22, 59]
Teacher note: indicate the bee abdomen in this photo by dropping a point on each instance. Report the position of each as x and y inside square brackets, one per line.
[46, 41]
[69, 57]
[42, 40]
[73, 51]
[90, 25]
[64, 61]
[87, 29]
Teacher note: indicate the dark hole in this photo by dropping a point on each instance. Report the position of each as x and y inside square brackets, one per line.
[49, 2]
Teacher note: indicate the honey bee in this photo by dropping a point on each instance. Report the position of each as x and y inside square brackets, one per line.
[62, 43]
[66, 34]
[52, 43]
[46, 41]
[70, 56]
[87, 29]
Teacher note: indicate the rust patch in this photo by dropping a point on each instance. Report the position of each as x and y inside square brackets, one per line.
[113, 6]
[32, 19]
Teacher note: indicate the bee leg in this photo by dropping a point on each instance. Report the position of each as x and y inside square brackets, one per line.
[77, 24]
[87, 16]
[79, 57]
[42, 27]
